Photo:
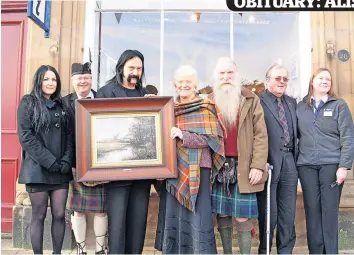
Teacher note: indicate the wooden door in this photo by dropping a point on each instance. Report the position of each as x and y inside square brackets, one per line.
[13, 53]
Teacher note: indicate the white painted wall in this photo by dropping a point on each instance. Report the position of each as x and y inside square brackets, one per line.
[305, 64]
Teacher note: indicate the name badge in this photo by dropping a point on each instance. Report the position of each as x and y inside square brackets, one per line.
[327, 112]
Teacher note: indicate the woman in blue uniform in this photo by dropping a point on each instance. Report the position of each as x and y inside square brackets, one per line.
[326, 152]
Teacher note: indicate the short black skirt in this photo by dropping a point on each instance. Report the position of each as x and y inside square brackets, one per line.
[42, 187]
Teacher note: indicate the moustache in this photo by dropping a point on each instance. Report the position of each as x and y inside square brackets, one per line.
[132, 76]
[225, 84]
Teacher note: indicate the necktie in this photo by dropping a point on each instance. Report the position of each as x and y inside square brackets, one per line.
[318, 108]
[283, 121]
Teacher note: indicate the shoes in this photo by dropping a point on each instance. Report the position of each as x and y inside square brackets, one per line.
[80, 248]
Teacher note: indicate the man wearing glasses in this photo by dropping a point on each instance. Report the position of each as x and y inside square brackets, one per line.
[85, 198]
[280, 117]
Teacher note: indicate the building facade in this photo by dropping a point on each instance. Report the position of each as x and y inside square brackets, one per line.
[169, 33]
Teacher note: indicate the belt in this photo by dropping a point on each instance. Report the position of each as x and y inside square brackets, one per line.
[235, 157]
[286, 149]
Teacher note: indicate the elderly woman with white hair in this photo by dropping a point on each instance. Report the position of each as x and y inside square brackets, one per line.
[185, 222]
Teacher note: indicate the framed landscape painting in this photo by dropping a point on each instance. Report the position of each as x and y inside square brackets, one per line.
[125, 139]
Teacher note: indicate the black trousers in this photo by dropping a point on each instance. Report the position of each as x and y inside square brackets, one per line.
[321, 203]
[283, 192]
[127, 209]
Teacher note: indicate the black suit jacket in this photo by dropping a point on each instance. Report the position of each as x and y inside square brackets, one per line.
[275, 131]
[69, 100]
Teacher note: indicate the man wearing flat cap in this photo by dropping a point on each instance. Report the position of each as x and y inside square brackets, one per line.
[85, 198]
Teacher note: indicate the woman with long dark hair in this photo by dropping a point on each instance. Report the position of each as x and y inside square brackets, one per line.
[47, 149]
[326, 152]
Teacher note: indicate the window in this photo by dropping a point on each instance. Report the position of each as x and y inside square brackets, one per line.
[137, 31]
[182, 34]
[263, 39]
[196, 39]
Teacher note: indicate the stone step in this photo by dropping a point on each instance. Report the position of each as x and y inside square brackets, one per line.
[22, 214]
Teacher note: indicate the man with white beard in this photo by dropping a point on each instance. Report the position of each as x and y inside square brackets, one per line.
[246, 149]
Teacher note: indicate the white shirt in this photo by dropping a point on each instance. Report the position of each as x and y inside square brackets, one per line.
[324, 99]
[89, 95]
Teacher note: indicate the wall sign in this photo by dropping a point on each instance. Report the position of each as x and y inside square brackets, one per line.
[343, 55]
[39, 12]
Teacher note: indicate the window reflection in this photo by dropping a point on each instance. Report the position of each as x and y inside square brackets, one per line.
[262, 39]
[197, 39]
[136, 31]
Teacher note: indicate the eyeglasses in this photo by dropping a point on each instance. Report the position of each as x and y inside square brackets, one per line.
[279, 78]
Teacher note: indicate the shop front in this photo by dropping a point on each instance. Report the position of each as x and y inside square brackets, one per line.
[169, 37]
[169, 33]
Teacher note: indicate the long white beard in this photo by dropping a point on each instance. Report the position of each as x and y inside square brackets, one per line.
[227, 99]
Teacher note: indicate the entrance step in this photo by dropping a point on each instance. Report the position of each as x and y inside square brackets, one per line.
[22, 214]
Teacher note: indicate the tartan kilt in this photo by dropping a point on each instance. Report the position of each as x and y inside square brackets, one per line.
[237, 205]
[86, 199]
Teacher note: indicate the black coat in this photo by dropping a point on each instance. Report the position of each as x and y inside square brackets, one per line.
[113, 90]
[69, 100]
[40, 151]
[276, 132]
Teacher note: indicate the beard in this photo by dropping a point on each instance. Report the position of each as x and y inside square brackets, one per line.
[228, 99]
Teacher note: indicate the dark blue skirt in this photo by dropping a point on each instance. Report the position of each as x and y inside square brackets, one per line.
[180, 231]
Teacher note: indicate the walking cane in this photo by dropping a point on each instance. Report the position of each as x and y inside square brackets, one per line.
[270, 168]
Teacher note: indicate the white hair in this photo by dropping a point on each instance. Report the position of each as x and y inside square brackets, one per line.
[222, 63]
[186, 72]
[228, 97]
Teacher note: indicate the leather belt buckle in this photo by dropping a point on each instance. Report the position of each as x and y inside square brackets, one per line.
[286, 149]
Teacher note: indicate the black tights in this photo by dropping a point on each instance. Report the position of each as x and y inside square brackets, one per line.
[39, 202]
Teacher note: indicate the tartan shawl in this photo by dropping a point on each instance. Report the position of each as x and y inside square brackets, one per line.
[202, 117]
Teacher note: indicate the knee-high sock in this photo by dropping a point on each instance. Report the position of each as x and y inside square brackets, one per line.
[100, 225]
[244, 236]
[244, 242]
[78, 224]
[225, 230]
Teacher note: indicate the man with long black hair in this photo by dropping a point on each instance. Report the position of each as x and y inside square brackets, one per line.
[127, 201]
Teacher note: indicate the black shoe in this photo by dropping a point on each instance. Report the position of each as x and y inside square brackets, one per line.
[80, 248]
[100, 252]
